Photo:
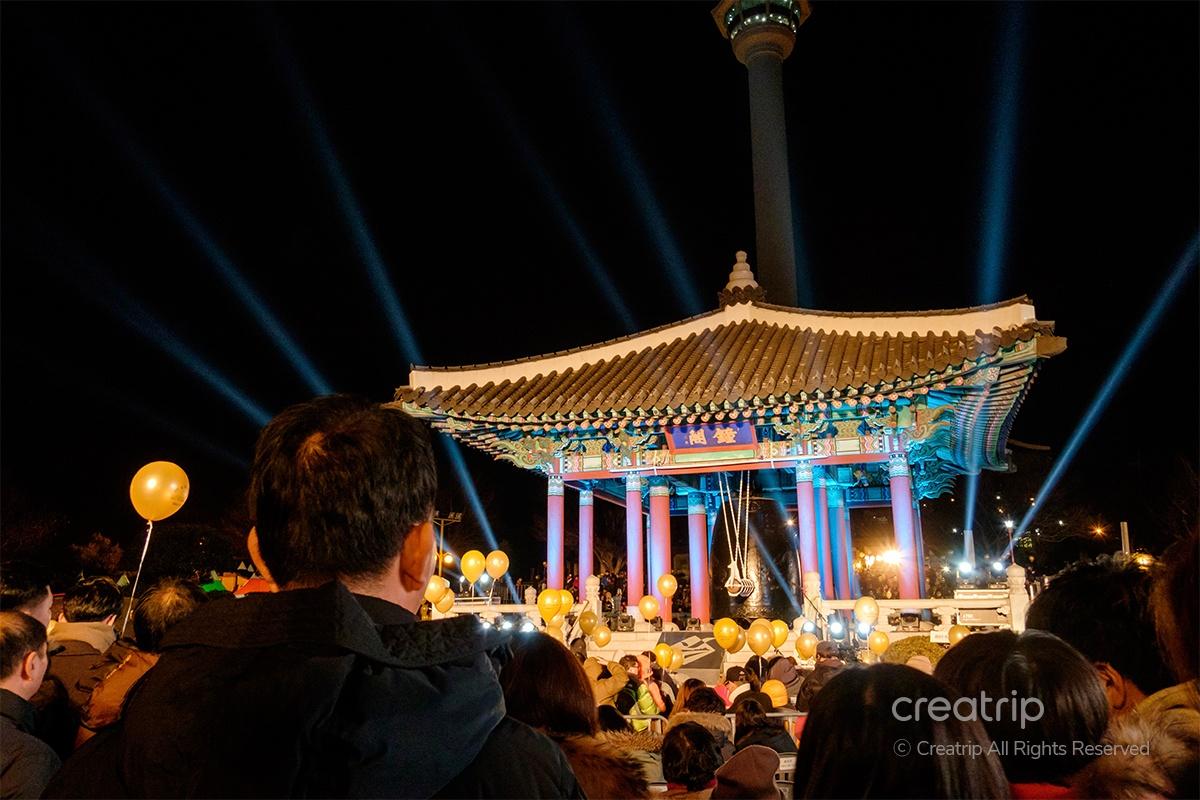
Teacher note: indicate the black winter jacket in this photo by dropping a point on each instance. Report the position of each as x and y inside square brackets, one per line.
[321, 693]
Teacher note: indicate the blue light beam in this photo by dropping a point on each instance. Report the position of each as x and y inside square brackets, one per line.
[630, 166]
[203, 239]
[468, 486]
[554, 197]
[1001, 155]
[352, 214]
[1149, 322]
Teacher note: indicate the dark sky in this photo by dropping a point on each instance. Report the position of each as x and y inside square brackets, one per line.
[138, 136]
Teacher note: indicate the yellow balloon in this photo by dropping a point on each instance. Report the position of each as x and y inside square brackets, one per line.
[958, 633]
[725, 631]
[649, 607]
[676, 658]
[587, 622]
[866, 610]
[446, 603]
[780, 630]
[497, 564]
[761, 621]
[806, 645]
[667, 585]
[759, 637]
[878, 642]
[663, 654]
[436, 589]
[601, 635]
[556, 621]
[555, 633]
[548, 602]
[567, 601]
[778, 693]
[158, 490]
[738, 643]
[472, 564]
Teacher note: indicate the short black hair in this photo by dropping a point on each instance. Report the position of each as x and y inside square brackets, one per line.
[92, 600]
[704, 701]
[336, 485]
[1034, 664]
[166, 602]
[20, 634]
[849, 747]
[690, 755]
[22, 584]
[1102, 609]
[611, 720]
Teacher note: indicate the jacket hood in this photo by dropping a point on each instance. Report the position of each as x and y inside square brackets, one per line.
[749, 775]
[627, 741]
[1155, 757]
[98, 635]
[786, 673]
[604, 770]
[714, 722]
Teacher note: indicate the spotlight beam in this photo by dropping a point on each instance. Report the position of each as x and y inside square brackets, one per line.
[199, 234]
[468, 486]
[492, 91]
[106, 294]
[352, 214]
[630, 166]
[1002, 155]
[1143, 333]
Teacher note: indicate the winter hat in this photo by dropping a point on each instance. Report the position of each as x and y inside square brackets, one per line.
[748, 775]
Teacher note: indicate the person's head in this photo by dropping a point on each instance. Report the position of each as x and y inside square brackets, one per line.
[23, 658]
[24, 587]
[1102, 609]
[545, 687]
[690, 756]
[751, 715]
[704, 701]
[735, 675]
[850, 745]
[92, 600]
[611, 720]
[1175, 607]
[631, 665]
[342, 487]
[685, 691]
[758, 667]
[579, 648]
[167, 602]
[1052, 696]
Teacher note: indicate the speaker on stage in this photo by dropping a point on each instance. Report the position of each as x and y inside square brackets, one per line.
[624, 623]
[657, 622]
[693, 624]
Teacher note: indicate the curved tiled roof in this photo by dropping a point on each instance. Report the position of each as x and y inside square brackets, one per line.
[748, 353]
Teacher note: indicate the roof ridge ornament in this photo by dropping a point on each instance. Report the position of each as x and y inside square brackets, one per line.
[741, 288]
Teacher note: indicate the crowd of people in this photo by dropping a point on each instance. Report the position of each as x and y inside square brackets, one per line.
[332, 686]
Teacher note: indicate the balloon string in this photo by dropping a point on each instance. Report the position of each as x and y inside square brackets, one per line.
[138, 576]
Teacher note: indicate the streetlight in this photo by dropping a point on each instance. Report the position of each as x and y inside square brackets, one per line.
[1012, 555]
[450, 519]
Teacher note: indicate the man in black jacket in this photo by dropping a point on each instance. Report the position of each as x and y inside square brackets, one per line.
[26, 762]
[330, 687]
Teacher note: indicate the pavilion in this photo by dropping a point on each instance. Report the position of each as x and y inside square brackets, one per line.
[853, 409]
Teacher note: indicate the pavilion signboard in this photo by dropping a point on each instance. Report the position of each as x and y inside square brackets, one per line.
[712, 441]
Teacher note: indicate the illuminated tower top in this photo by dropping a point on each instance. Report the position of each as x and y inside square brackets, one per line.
[763, 33]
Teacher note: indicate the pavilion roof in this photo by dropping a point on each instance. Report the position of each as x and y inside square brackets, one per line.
[744, 354]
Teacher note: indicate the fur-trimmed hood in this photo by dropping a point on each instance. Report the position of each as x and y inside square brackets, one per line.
[603, 769]
[628, 741]
[1156, 756]
[718, 724]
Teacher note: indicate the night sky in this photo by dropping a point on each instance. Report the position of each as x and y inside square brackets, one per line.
[488, 158]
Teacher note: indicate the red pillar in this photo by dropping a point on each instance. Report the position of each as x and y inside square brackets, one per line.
[554, 533]
[854, 589]
[586, 567]
[902, 520]
[920, 536]
[838, 540]
[636, 584]
[824, 556]
[698, 578]
[806, 520]
[660, 540]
